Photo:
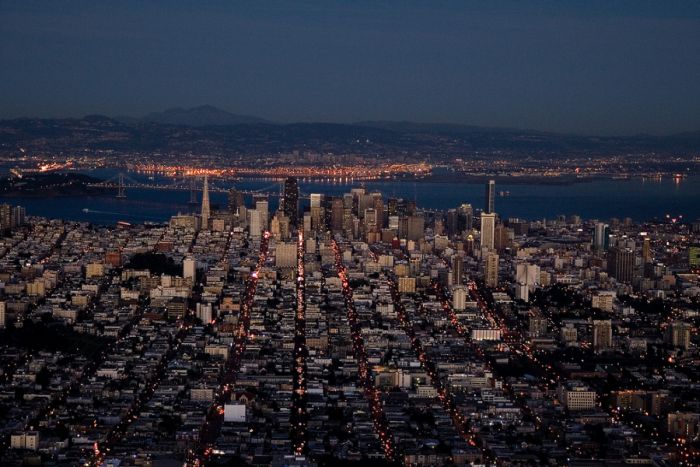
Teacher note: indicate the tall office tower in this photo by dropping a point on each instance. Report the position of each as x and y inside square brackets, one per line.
[356, 194]
[394, 223]
[337, 213]
[263, 207]
[236, 200]
[519, 226]
[467, 212]
[189, 268]
[410, 207]
[348, 201]
[307, 222]
[621, 264]
[490, 205]
[316, 200]
[3, 316]
[364, 202]
[646, 250]
[392, 207]
[317, 219]
[402, 207]
[415, 227]
[275, 228]
[527, 274]
[502, 236]
[469, 245]
[459, 298]
[206, 209]
[439, 228]
[601, 237]
[279, 226]
[327, 205]
[678, 334]
[18, 215]
[291, 200]
[452, 222]
[457, 269]
[348, 222]
[285, 231]
[602, 335]
[488, 227]
[370, 219]
[491, 270]
[378, 205]
[255, 223]
[5, 216]
[694, 256]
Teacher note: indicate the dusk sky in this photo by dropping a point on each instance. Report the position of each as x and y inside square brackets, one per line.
[600, 67]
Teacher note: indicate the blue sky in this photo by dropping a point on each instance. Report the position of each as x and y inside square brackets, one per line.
[608, 67]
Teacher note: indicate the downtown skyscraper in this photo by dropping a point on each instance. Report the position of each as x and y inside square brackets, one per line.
[490, 197]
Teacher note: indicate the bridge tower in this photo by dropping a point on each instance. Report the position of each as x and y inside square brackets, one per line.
[121, 190]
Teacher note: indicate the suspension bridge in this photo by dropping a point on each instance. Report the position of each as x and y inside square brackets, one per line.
[122, 182]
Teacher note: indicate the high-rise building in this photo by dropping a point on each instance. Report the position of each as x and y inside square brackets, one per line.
[290, 205]
[392, 207]
[318, 218]
[488, 228]
[678, 334]
[378, 205]
[255, 223]
[415, 227]
[694, 256]
[316, 200]
[502, 236]
[5, 217]
[491, 270]
[621, 264]
[189, 268]
[601, 237]
[262, 206]
[236, 199]
[467, 212]
[490, 204]
[452, 222]
[519, 226]
[459, 298]
[18, 215]
[206, 209]
[646, 250]
[457, 269]
[337, 213]
[370, 218]
[527, 274]
[602, 335]
[469, 245]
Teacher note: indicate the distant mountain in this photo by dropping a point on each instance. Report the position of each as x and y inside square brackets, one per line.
[405, 126]
[204, 115]
[207, 129]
